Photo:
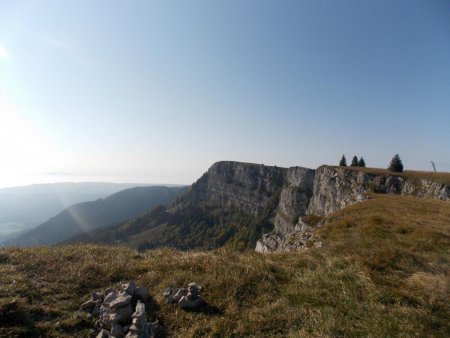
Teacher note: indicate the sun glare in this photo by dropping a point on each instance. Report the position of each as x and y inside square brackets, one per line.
[23, 150]
[4, 53]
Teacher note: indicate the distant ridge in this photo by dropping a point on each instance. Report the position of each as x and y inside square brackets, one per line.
[24, 207]
[88, 216]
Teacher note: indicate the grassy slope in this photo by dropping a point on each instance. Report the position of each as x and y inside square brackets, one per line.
[383, 271]
[441, 177]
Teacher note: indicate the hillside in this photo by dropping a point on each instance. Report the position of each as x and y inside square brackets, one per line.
[235, 203]
[87, 216]
[22, 208]
[383, 271]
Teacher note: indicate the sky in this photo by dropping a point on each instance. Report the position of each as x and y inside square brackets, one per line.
[157, 91]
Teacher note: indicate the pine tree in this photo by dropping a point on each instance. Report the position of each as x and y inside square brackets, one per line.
[343, 162]
[354, 162]
[361, 162]
[396, 164]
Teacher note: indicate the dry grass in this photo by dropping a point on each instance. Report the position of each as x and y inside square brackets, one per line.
[383, 271]
[441, 177]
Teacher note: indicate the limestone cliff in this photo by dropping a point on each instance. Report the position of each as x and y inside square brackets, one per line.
[252, 188]
[338, 187]
[235, 203]
[238, 186]
[294, 198]
[335, 188]
[300, 191]
[249, 188]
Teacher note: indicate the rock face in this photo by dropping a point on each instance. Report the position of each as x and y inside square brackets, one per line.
[427, 188]
[240, 186]
[294, 198]
[236, 203]
[270, 243]
[300, 191]
[301, 237]
[336, 188]
[121, 313]
[333, 189]
[249, 188]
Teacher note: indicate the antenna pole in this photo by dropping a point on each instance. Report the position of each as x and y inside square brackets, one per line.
[434, 167]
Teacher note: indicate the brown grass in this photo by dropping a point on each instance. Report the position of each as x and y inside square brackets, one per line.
[441, 177]
[383, 271]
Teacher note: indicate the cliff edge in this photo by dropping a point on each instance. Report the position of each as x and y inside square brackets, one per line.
[243, 205]
[335, 188]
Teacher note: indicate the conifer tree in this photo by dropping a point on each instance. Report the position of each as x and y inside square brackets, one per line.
[361, 162]
[354, 161]
[343, 162]
[396, 164]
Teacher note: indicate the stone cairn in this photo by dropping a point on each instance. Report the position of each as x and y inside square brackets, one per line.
[189, 299]
[122, 313]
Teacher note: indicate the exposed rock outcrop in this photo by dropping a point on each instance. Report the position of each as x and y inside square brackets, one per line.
[249, 188]
[336, 188]
[236, 203]
[333, 189]
[300, 238]
[237, 186]
[427, 188]
[294, 199]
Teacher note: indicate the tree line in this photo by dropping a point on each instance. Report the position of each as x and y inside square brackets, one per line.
[355, 162]
[396, 164]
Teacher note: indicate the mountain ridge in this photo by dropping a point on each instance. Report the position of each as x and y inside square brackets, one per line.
[24, 207]
[87, 216]
[235, 203]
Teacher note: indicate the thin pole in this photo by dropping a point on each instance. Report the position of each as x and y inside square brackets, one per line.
[434, 167]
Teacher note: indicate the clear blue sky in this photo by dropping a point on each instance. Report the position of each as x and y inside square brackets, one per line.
[156, 91]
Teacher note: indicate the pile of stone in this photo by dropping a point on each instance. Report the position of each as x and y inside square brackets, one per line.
[189, 299]
[122, 313]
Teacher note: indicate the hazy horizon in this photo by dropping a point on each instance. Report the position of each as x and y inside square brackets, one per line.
[156, 92]
[80, 181]
[57, 179]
